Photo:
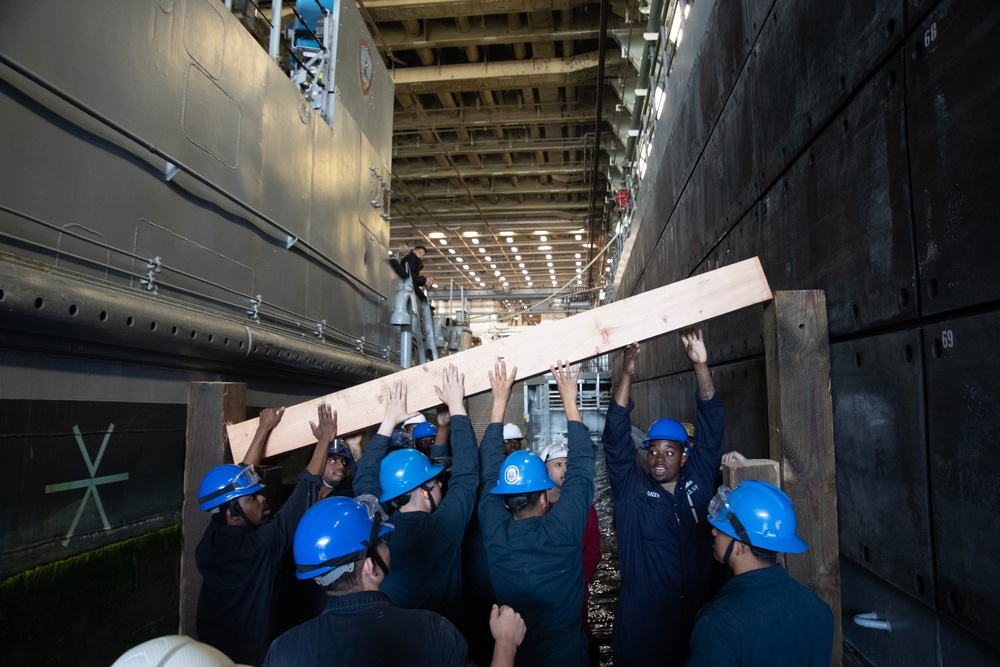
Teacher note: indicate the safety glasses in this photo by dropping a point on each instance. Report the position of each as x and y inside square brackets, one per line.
[719, 509]
[248, 477]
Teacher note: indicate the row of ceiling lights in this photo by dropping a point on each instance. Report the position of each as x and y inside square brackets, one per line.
[478, 281]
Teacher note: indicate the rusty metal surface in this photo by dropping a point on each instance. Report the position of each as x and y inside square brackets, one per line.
[881, 452]
[838, 220]
[86, 470]
[808, 59]
[963, 401]
[953, 142]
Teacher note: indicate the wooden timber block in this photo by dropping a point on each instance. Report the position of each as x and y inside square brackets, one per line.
[210, 404]
[582, 336]
[762, 470]
[800, 425]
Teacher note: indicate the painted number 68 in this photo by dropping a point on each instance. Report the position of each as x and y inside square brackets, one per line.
[930, 34]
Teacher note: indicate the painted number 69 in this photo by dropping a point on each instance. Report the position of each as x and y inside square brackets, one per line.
[930, 34]
[947, 339]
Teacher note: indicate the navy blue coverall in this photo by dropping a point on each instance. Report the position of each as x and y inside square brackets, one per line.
[365, 629]
[536, 563]
[664, 540]
[426, 547]
[239, 566]
[763, 617]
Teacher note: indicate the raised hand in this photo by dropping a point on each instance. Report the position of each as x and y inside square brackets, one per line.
[694, 344]
[452, 390]
[326, 431]
[500, 382]
[566, 382]
[395, 404]
[269, 418]
[630, 356]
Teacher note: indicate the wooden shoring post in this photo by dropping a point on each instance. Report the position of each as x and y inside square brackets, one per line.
[583, 336]
[800, 427]
[211, 405]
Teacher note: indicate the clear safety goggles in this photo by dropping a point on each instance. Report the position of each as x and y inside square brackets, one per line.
[247, 478]
[719, 509]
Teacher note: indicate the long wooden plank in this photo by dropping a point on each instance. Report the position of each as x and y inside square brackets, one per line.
[583, 336]
[800, 419]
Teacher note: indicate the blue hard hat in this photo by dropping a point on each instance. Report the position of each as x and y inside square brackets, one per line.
[339, 448]
[334, 532]
[227, 482]
[522, 472]
[405, 470]
[424, 430]
[400, 439]
[665, 429]
[759, 514]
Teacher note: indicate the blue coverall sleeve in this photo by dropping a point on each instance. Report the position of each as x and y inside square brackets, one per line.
[491, 508]
[276, 535]
[456, 509]
[706, 457]
[577, 494]
[369, 466]
[619, 449]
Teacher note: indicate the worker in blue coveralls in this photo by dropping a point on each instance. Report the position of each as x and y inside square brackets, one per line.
[535, 556]
[664, 539]
[341, 547]
[761, 616]
[427, 541]
[239, 554]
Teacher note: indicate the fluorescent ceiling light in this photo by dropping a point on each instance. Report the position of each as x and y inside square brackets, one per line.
[436, 235]
[545, 247]
[470, 234]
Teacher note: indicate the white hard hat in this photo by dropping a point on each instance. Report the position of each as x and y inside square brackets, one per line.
[173, 651]
[419, 418]
[512, 432]
[555, 450]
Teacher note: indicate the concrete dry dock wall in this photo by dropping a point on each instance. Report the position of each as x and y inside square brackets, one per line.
[852, 147]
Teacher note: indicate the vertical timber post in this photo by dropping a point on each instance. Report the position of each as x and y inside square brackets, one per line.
[211, 405]
[800, 427]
